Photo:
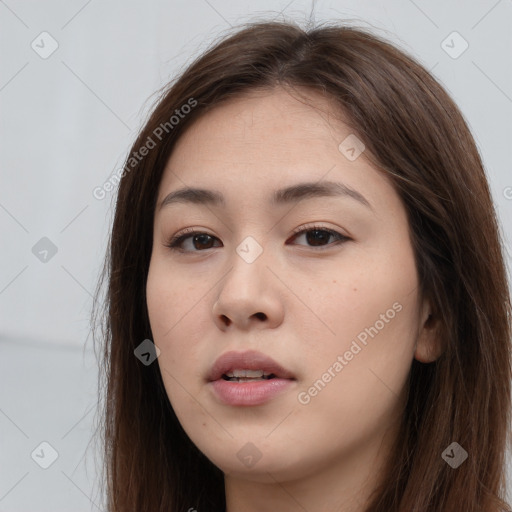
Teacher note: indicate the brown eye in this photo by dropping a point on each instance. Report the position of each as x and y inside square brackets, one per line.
[200, 241]
[318, 236]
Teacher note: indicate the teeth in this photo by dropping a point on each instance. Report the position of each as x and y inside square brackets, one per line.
[247, 374]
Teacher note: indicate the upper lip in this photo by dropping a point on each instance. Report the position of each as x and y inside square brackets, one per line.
[248, 360]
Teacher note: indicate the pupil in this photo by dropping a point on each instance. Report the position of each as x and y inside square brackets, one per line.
[201, 237]
[323, 236]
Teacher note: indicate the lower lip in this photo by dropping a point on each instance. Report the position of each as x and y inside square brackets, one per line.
[249, 393]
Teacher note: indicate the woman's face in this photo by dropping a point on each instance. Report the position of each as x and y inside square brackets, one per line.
[336, 307]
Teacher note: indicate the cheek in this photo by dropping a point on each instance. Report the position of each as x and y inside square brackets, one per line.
[371, 299]
[177, 315]
[171, 301]
[158, 297]
[371, 311]
[358, 399]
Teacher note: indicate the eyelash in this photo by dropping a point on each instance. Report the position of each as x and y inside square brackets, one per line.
[178, 239]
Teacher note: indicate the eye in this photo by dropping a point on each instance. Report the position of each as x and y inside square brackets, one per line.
[315, 235]
[198, 237]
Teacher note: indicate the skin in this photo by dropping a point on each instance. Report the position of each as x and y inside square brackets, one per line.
[301, 304]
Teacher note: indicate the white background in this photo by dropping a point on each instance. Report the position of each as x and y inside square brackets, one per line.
[66, 123]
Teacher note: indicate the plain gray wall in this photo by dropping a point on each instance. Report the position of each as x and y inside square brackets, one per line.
[68, 119]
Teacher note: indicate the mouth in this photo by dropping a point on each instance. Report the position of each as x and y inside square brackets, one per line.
[237, 366]
[248, 378]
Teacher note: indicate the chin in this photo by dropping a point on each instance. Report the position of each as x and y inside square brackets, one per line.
[265, 464]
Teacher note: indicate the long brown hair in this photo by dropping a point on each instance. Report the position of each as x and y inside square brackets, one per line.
[415, 134]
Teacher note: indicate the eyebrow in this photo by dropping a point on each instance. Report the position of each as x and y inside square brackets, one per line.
[287, 195]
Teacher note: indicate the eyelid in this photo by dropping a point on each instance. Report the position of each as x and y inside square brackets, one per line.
[319, 227]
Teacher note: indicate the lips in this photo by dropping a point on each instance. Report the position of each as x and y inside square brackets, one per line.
[248, 360]
[248, 379]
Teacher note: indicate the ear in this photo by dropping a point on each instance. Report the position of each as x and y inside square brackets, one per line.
[428, 344]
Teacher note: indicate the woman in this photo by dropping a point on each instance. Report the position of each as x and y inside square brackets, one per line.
[305, 232]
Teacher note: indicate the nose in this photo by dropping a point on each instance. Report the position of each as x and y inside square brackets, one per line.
[250, 297]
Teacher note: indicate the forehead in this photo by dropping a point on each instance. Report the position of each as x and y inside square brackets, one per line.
[251, 146]
[259, 116]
